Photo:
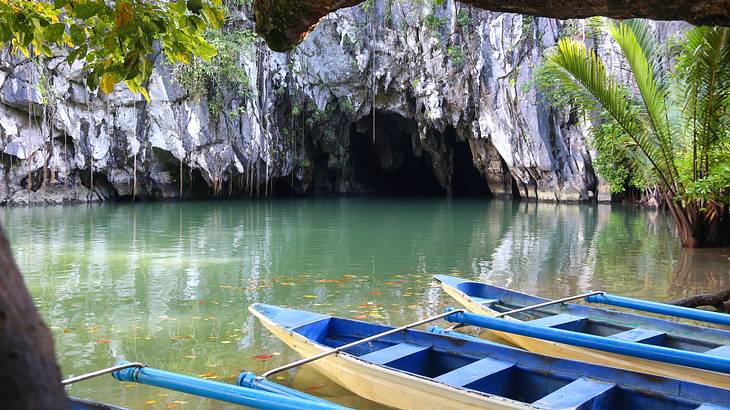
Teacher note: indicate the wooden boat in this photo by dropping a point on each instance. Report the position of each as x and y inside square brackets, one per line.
[604, 324]
[412, 369]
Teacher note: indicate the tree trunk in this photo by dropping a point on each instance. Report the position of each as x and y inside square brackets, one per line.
[719, 300]
[697, 228]
[29, 375]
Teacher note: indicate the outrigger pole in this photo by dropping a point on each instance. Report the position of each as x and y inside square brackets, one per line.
[356, 343]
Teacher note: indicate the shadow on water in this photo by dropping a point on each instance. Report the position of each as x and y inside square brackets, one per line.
[168, 283]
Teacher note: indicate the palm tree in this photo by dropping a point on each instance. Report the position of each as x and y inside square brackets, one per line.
[672, 128]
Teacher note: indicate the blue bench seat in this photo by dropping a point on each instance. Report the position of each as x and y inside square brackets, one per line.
[473, 372]
[583, 393]
[393, 353]
[561, 321]
[722, 351]
[640, 335]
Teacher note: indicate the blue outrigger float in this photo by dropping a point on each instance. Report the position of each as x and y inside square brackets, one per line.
[601, 336]
[406, 368]
[250, 390]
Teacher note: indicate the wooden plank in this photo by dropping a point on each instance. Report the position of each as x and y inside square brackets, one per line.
[393, 353]
[474, 372]
[722, 351]
[641, 335]
[484, 301]
[562, 321]
[583, 393]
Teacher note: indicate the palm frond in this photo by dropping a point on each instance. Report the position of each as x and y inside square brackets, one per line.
[640, 52]
[703, 79]
[582, 74]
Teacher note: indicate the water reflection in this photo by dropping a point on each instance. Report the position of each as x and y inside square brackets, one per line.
[168, 284]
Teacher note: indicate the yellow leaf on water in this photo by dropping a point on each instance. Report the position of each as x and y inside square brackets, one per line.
[150, 402]
[208, 375]
[191, 356]
[310, 296]
[276, 353]
[225, 342]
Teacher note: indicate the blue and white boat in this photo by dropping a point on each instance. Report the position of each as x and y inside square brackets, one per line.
[601, 336]
[415, 369]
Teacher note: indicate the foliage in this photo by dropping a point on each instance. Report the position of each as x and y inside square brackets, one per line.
[434, 22]
[674, 129]
[611, 162]
[456, 55]
[206, 78]
[114, 40]
[463, 18]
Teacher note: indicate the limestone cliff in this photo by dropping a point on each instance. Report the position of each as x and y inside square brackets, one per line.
[387, 97]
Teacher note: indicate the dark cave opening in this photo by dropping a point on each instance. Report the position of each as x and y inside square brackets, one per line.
[389, 166]
[466, 180]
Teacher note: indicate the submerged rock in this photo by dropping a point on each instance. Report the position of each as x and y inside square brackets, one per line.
[392, 97]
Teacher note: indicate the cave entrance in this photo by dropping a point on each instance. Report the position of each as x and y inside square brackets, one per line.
[466, 180]
[390, 166]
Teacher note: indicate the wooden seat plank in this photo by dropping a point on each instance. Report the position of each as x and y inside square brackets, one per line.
[561, 321]
[722, 351]
[641, 335]
[474, 372]
[393, 353]
[583, 393]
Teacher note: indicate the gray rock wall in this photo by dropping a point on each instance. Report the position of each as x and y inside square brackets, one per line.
[456, 112]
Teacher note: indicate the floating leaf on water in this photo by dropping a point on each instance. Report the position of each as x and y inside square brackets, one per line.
[315, 387]
[376, 292]
[280, 377]
[225, 342]
[226, 286]
[66, 330]
[276, 353]
[150, 402]
[103, 340]
[263, 357]
[361, 317]
[208, 375]
[191, 356]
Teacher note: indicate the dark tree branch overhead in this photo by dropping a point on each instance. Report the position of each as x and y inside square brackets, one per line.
[285, 23]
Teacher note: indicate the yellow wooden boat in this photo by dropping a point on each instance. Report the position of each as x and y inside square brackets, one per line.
[492, 300]
[411, 369]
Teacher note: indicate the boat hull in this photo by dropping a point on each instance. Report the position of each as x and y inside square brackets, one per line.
[382, 385]
[589, 355]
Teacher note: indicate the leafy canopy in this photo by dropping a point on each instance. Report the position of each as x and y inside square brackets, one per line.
[668, 130]
[115, 40]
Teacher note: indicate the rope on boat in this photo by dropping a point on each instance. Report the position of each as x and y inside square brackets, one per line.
[101, 372]
[537, 306]
[357, 342]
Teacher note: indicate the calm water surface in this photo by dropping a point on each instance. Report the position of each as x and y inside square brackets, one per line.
[168, 284]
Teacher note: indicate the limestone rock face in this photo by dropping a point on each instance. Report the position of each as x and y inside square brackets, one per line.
[392, 97]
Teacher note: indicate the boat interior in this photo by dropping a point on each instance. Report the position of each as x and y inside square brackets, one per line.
[493, 369]
[602, 322]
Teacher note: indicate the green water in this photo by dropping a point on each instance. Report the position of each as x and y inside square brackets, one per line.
[168, 284]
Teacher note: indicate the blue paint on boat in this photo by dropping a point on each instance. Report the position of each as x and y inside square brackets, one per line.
[606, 344]
[260, 399]
[471, 364]
[661, 308]
[594, 320]
[252, 381]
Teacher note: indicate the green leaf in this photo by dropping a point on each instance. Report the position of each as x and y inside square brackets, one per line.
[53, 32]
[86, 9]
